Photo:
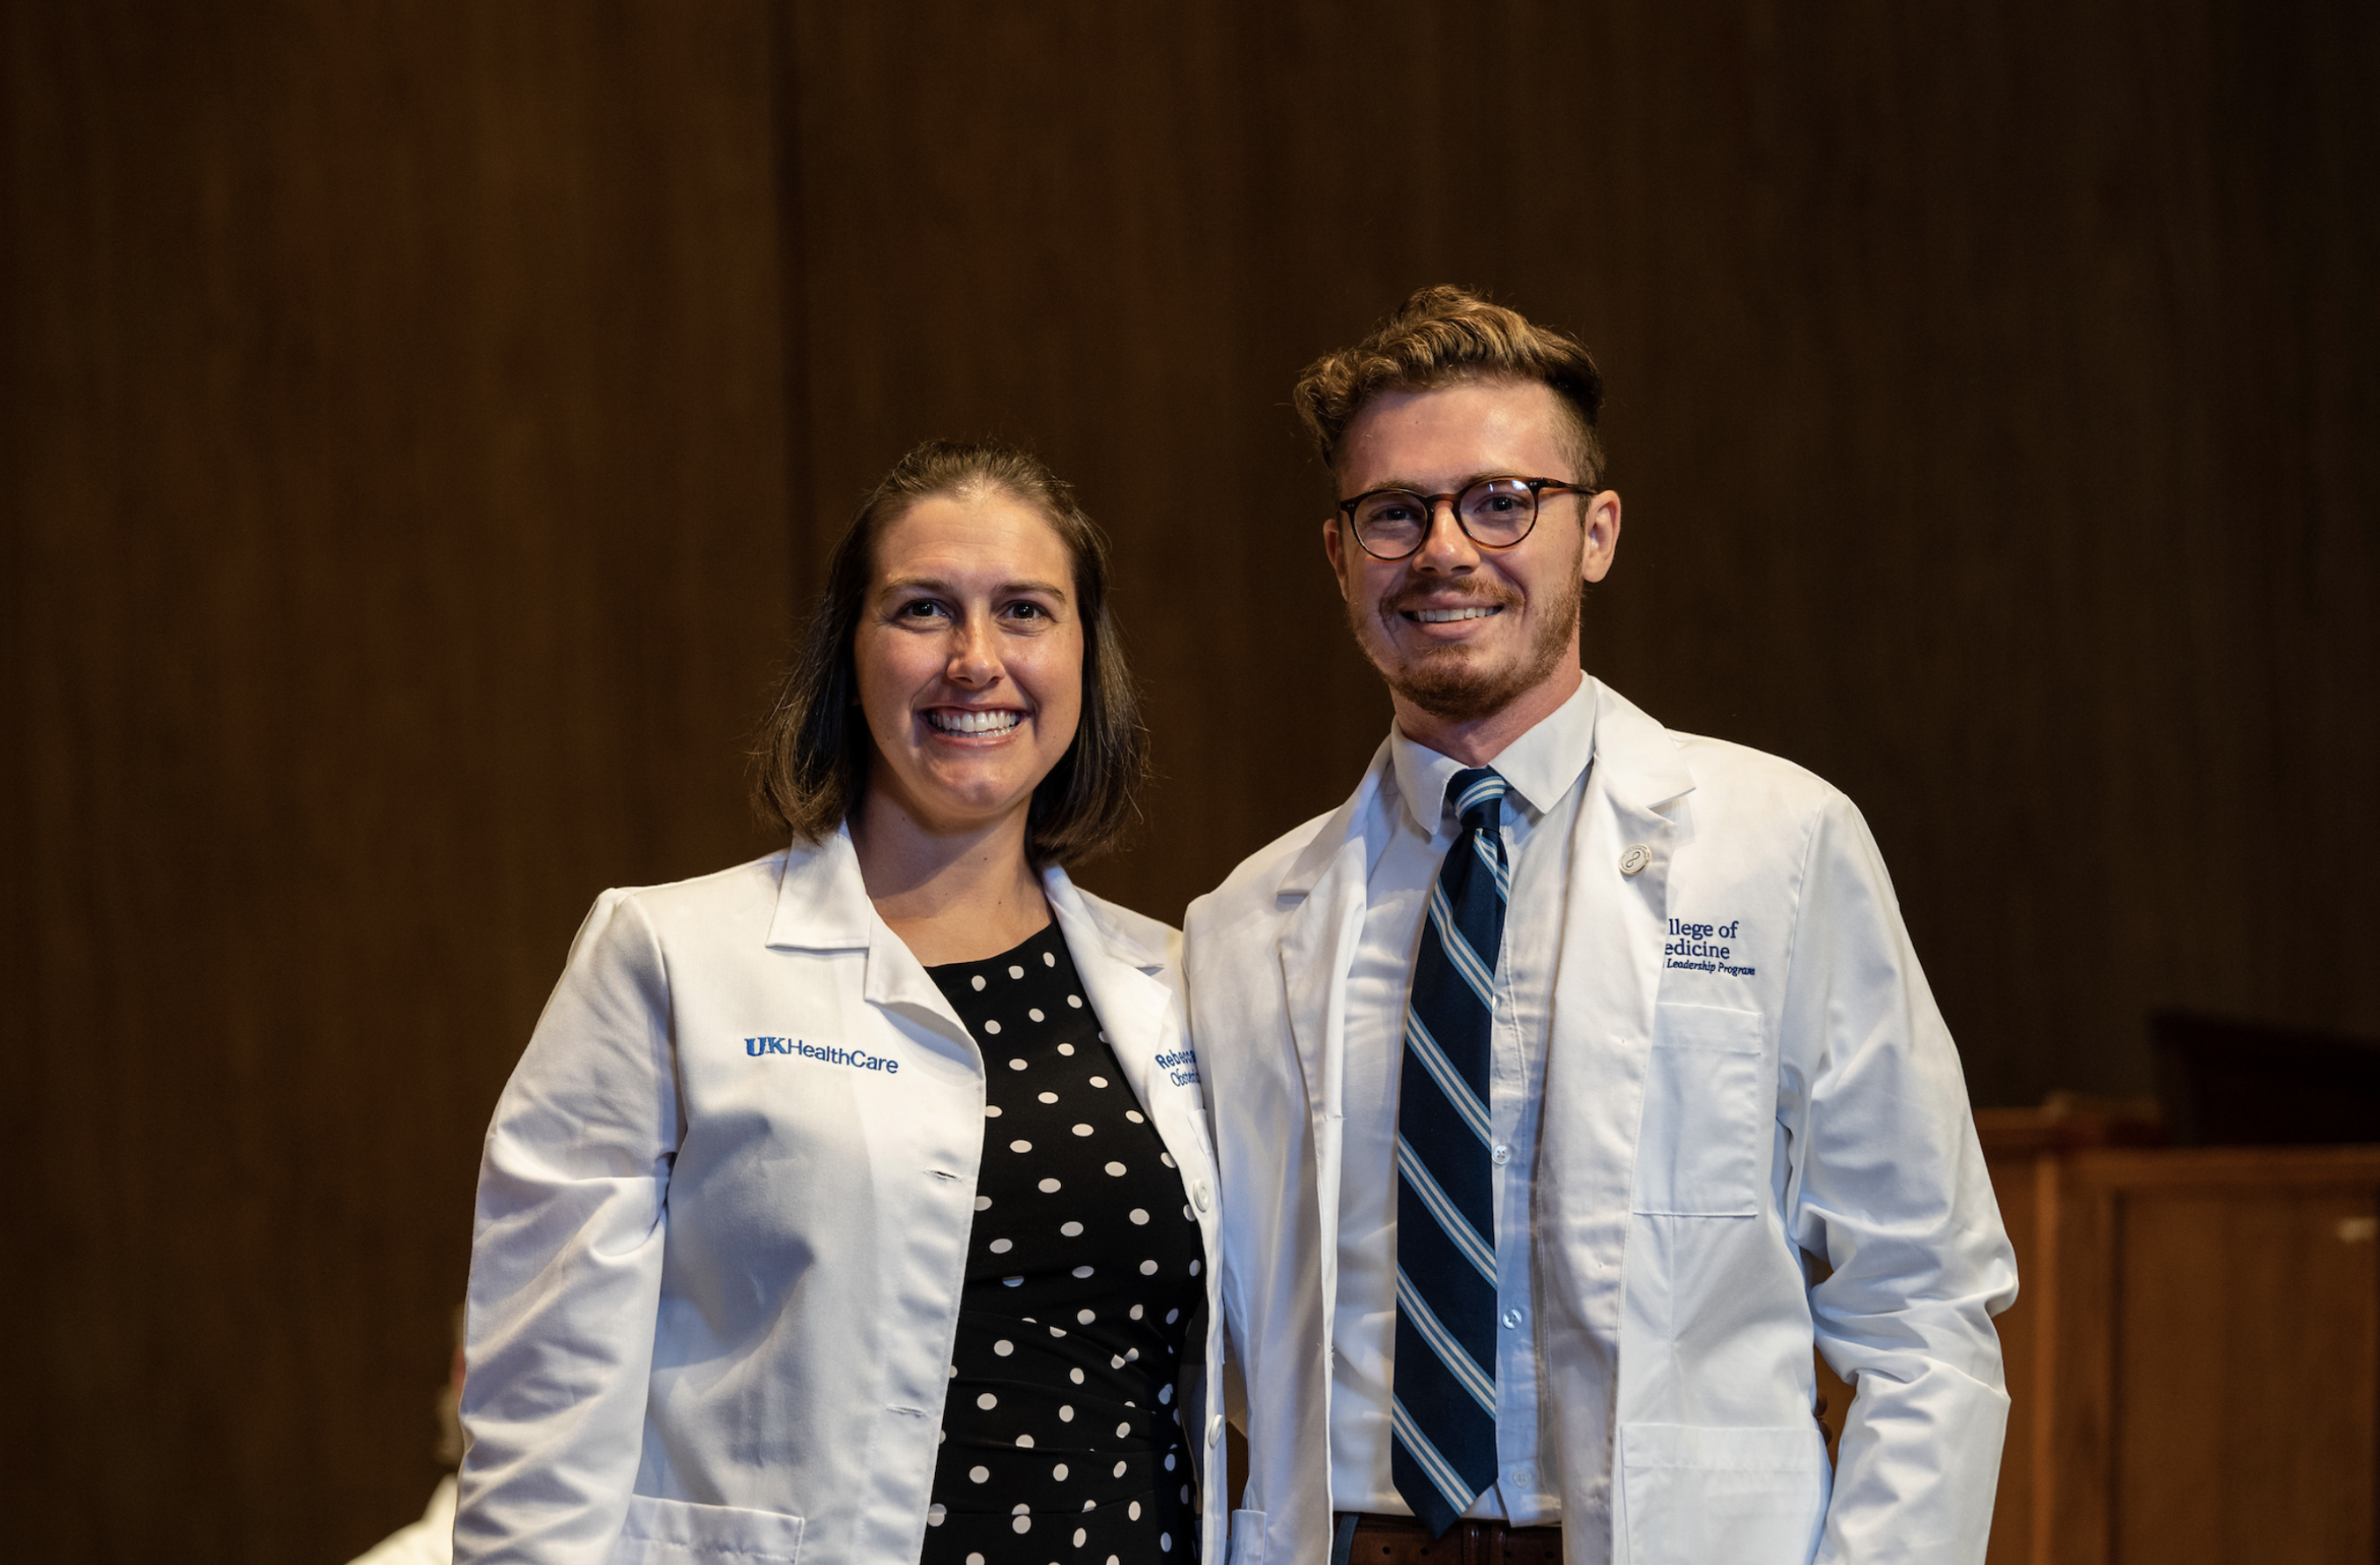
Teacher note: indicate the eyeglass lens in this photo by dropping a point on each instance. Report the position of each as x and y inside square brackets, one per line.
[1496, 512]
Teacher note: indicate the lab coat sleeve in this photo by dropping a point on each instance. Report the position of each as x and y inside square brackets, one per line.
[567, 1258]
[1887, 1183]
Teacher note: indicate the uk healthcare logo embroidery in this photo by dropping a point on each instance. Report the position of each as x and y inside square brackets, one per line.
[826, 1053]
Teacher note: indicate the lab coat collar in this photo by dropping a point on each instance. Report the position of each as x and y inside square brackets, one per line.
[821, 902]
[1642, 765]
[1346, 821]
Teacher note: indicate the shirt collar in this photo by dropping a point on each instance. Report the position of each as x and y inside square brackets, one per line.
[1538, 768]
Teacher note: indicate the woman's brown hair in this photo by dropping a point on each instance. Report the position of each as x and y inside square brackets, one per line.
[811, 767]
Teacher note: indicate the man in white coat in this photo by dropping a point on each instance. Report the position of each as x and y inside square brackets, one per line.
[1553, 1067]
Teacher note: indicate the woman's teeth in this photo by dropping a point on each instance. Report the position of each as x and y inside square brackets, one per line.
[1443, 616]
[974, 723]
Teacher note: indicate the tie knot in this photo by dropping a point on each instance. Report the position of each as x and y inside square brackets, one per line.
[1475, 794]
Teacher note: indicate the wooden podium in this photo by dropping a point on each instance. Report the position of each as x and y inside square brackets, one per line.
[2193, 1359]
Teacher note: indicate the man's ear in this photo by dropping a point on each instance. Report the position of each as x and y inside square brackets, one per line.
[1334, 545]
[1602, 541]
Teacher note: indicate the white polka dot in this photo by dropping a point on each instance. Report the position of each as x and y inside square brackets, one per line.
[1015, 972]
[1020, 1147]
[987, 1402]
[1048, 1098]
[1076, 1376]
[1065, 1048]
[1079, 1536]
[1025, 1441]
[1098, 1081]
[1083, 1318]
[1049, 1187]
[1116, 1169]
[1134, 1115]
[1138, 1214]
[1185, 1490]
[1164, 1395]
[1123, 1430]
[1118, 1470]
[1185, 1212]
[1059, 1471]
[1057, 1331]
[991, 1110]
[1050, 959]
[1082, 1130]
[1103, 1037]
[1116, 1362]
[1066, 1412]
[1075, 1000]
[1193, 1268]
[1173, 1316]
[1165, 1542]
[978, 1474]
[1149, 1269]
[978, 981]
[975, 1559]
[1022, 1508]
[1003, 1347]
[1012, 1282]
[1082, 1271]
[1016, 1064]
[1071, 1230]
[1132, 1355]
[1135, 1315]
[1036, 1013]
[1167, 1158]
[1001, 1246]
[1132, 1511]
[983, 1203]
[1023, 1524]
[955, 1372]
[934, 1514]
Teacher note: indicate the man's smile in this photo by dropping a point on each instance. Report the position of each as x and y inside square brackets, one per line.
[1444, 616]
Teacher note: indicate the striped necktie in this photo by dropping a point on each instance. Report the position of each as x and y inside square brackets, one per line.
[1443, 1450]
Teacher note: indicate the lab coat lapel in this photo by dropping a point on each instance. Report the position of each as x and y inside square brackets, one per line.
[1630, 825]
[1120, 980]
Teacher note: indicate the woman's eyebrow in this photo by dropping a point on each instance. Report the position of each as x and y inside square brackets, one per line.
[948, 590]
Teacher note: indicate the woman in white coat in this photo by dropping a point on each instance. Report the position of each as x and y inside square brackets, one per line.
[858, 1204]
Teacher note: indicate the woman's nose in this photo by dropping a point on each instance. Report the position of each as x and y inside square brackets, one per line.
[973, 660]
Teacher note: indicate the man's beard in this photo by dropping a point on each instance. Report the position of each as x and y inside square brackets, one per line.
[1447, 682]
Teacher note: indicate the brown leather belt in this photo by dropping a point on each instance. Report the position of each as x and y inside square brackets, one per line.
[1402, 1540]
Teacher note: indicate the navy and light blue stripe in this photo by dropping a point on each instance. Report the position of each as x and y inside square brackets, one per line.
[1442, 1451]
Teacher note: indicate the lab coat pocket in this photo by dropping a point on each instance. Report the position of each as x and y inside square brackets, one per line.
[1247, 1538]
[1748, 1496]
[673, 1532]
[1699, 1154]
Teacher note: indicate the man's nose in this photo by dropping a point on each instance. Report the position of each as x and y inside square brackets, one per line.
[1446, 546]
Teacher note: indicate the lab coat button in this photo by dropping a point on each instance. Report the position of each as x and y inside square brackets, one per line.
[1638, 856]
[1500, 1156]
[1200, 1193]
[1214, 1428]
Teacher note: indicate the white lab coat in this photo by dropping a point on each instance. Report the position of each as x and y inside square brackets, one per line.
[1702, 1129]
[714, 1282]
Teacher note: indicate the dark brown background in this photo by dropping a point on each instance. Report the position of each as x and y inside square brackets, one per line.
[421, 423]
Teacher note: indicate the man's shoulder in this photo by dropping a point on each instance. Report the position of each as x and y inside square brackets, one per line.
[1252, 890]
[1723, 768]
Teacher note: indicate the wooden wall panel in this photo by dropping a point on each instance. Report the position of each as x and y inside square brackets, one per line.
[1989, 395]
[395, 410]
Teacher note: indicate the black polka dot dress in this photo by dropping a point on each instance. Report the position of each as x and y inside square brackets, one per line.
[1059, 1443]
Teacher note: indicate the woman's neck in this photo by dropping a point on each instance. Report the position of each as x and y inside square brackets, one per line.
[951, 896]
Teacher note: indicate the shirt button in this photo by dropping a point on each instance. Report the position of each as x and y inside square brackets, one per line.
[1524, 1476]
[1511, 1319]
[1500, 1156]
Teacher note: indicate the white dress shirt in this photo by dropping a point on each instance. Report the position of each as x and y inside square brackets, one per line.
[1407, 831]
